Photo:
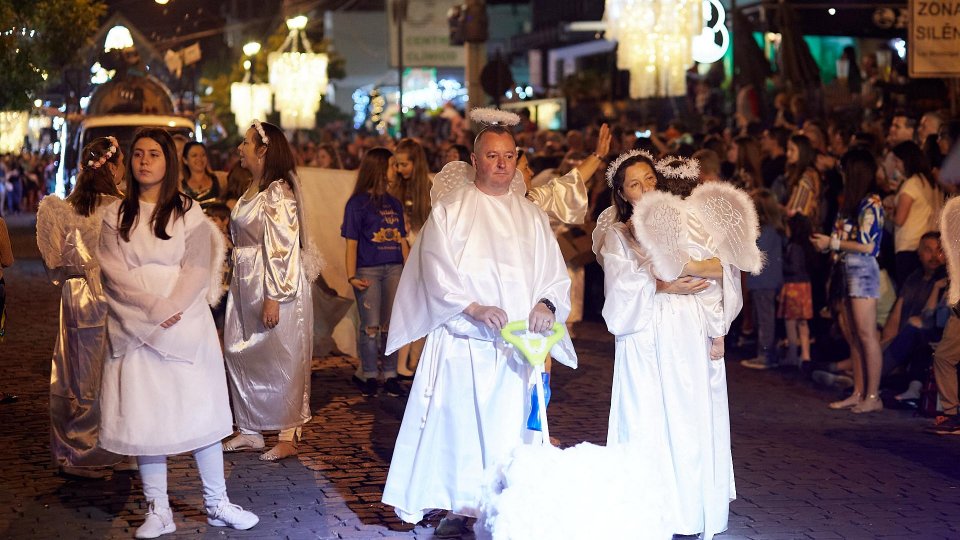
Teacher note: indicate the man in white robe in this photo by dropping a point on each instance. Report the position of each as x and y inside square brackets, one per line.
[486, 256]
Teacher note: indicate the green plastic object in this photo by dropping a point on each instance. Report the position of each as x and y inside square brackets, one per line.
[534, 347]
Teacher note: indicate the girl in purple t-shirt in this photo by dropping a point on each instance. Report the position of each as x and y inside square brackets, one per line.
[376, 249]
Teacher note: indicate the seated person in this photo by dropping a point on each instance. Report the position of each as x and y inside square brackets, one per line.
[912, 324]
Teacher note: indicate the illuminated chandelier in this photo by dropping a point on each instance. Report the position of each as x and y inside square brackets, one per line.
[298, 79]
[655, 42]
[13, 129]
[249, 100]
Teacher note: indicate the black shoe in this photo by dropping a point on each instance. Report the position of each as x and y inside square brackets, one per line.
[7, 398]
[367, 387]
[393, 388]
[945, 425]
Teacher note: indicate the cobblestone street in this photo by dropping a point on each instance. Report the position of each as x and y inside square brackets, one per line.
[802, 470]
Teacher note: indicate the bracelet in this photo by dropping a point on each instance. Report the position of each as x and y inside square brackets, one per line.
[834, 243]
[351, 278]
[549, 304]
[596, 155]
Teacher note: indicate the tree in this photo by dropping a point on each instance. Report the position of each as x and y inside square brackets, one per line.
[38, 41]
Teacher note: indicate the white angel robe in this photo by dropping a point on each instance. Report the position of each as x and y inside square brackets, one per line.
[164, 389]
[470, 398]
[693, 387]
[563, 198]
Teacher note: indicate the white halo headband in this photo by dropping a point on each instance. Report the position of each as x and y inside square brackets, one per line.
[263, 134]
[687, 168]
[494, 117]
[615, 164]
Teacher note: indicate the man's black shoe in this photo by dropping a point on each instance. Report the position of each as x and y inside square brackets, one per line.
[393, 388]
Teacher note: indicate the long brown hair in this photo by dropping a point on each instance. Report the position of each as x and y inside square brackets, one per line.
[806, 160]
[415, 190]
[93, 182]
[748, 160]
[624, 207]
[859, 169]
[186, 168]
[278, 162]
[768, 209]
[333, 153]
[170, 201]
[372, 175]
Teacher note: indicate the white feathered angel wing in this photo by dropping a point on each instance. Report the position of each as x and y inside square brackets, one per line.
[606, 220]
[730, 218]
[660, 224]
[460, 173]
[218, 257]
[950, 238]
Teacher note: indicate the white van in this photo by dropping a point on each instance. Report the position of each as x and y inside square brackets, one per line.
[121, 126]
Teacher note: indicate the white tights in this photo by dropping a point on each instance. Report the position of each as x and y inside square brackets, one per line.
[153, 473]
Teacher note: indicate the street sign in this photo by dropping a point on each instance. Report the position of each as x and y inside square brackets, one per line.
[426, 35]
[934, 39]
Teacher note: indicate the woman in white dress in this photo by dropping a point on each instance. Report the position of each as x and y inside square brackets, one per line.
[164, 387]
[669, 385]
[268, 331]
[68, 232]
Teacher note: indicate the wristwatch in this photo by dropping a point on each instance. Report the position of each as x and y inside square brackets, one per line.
[549, 304]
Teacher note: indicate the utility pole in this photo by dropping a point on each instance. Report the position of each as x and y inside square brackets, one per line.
[475, 35]
[400, 15]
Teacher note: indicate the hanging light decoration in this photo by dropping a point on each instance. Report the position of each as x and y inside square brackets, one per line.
[13, 129]
[249, 100]
[298, 79]
[655, 42]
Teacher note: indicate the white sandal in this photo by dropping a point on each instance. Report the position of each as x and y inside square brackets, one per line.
[244, 442]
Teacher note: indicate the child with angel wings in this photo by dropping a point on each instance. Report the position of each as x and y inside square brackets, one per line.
[672, 252]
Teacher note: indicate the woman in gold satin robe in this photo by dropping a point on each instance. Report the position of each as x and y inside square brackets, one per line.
[268, 332]
[68, 232]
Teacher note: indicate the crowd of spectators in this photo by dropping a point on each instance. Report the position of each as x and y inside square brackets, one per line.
[805, 171]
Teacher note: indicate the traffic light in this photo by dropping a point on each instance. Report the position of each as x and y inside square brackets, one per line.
[468, 23]
[455, 24]
[474, 18]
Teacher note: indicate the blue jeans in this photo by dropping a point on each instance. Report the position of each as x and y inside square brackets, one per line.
[764, 319]
[374, 304]
[863, 275]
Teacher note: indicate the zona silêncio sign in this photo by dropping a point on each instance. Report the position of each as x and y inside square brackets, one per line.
[934, 39]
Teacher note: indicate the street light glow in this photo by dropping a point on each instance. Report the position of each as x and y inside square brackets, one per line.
[297, 23]
[118, 38]
[832, 11]
[251, 49]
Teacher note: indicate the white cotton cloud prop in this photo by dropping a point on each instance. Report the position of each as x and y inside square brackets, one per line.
[587, 491]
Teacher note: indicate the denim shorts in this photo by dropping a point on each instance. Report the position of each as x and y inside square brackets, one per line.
[863, 275]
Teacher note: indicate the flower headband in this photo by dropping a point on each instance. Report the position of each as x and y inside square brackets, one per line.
[96, 164]
[678, 167]
[263, 134]
[612, 169]
[494, 117]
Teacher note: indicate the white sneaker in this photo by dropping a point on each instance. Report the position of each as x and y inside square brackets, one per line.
[159, 521]
[231, 515]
